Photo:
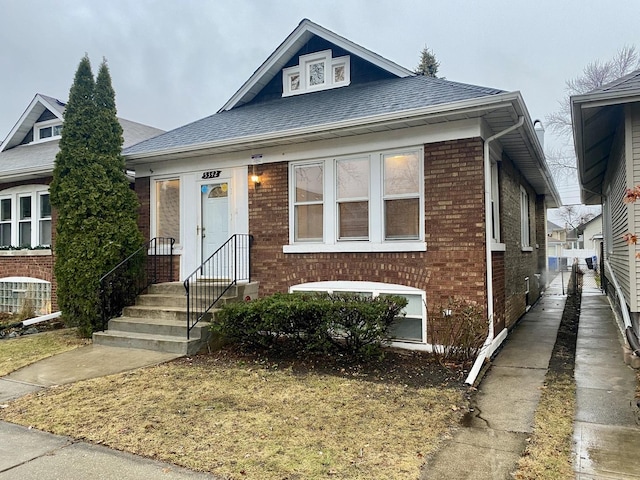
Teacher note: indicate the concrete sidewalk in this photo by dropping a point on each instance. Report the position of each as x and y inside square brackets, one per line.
[606, 432]
[491, 444]
[31, 454]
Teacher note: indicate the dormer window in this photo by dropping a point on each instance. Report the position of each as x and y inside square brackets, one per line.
[316, 71]
[49, 130]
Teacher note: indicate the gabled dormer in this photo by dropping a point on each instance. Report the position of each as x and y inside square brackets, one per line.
[312, 59]
[40, 122]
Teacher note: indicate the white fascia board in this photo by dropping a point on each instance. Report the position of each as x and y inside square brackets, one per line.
[292, 44]
[432, 111]
[319, 149]
[23, 118]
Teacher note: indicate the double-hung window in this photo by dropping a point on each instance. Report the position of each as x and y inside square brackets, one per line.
[352, 197]
[401, 196]
[308, 207]
[25, 217]
[525, 240]
[369, 202]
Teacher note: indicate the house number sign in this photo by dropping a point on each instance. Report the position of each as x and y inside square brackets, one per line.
[211, 174]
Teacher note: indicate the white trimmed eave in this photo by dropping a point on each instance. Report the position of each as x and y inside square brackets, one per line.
[25, 174]
[294, 42]
[26, 121]
[591, 171]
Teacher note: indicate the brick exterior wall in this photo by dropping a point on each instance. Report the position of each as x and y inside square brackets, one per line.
[453, 265]
[520, 264]
[29, 265]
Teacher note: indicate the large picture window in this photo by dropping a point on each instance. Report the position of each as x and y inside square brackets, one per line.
[25, 217]
[167, 218]
[372, 202]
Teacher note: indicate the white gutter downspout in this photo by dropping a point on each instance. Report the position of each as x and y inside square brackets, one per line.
[477, 365]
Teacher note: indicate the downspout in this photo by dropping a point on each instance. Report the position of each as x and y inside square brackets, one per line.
[477, 365]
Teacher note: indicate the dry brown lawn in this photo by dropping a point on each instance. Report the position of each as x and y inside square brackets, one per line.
[254, 420]
[549, 453]
[18, 352]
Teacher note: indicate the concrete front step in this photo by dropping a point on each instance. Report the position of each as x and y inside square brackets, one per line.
[178, 314]
[148, 341]
[177, 288]
[159, 327]
[160, 300]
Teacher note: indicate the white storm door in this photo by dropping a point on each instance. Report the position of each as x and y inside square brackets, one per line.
[215, 229]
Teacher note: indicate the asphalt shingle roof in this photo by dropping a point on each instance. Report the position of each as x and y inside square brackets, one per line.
[315, 109]
[627, 83]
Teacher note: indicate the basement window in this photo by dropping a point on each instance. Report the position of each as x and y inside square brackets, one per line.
[409, 328]
[25, 294]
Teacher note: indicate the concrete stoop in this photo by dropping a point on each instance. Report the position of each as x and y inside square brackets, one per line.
[158, 320]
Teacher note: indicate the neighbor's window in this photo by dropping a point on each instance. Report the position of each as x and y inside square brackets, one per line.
[167, 216]
[25, 217]
[525, 240]
[308, 206]
[44, 219]
[5, 222]
[402, 196]
[24, 224]
[352, 193]
[47, 130]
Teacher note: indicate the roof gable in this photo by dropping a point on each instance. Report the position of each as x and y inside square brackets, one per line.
[41, 107]
[308, 36]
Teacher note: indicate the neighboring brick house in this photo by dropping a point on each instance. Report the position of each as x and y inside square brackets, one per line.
[606, 131]
[27, 221]
[354, 174]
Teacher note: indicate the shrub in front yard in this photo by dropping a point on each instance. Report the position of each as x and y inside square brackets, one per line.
[312, 322]
[459, 332]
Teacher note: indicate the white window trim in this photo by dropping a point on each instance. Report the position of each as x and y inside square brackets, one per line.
[153, 228]
[376, 242]
[14, 194]
[525, 232]
[302, 69]
[48, 123]
[293, 203]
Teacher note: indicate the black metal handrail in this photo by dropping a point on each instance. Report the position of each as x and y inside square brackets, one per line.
[119, 287]
[226, 267]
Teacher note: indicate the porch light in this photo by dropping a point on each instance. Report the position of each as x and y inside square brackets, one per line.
[255, 178]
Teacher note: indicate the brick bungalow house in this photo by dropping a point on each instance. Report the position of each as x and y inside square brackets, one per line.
[352, 173]
[606, 132]
[27, 222]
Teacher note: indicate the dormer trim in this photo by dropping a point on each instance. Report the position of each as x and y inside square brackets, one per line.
[316, 71]
[291, 45]
[29, 118]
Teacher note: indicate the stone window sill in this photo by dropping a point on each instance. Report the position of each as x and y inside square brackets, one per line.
[45, 252]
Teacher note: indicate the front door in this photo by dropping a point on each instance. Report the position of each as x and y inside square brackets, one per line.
[214, 231]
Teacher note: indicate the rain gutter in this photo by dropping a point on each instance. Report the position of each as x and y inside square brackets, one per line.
[486, 347]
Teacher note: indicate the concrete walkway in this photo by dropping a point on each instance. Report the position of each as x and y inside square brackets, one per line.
[31, 454]
[606, 434]
[491, 444]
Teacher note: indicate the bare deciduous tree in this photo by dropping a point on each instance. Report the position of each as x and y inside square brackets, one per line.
[594, 75]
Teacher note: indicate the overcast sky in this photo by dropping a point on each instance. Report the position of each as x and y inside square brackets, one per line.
[173, 62]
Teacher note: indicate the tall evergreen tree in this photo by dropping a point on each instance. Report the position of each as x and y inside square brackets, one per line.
[96, 210]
